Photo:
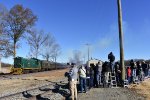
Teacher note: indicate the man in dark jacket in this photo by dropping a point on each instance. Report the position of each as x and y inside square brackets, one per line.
[106, 71]
[95, 76]
[118, 73]
[97, 73]
[92, 75]
[88, 76]
[111, 58]
[145, 68]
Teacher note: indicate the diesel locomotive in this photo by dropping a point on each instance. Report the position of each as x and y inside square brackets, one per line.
[24, 65]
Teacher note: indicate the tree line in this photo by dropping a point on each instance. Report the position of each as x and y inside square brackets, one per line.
[17, 24]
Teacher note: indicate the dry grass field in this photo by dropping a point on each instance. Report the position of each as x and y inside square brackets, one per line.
[142, 89]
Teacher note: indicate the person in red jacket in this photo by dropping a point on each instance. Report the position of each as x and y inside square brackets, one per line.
[129, 74]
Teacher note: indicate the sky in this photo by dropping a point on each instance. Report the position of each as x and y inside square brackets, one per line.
[76, 22]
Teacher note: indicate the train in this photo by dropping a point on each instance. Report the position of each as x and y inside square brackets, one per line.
[25, 65]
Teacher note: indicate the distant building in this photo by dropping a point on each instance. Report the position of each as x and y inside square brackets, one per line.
[93, 61]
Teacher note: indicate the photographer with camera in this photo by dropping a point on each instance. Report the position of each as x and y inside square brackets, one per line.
[72, 78]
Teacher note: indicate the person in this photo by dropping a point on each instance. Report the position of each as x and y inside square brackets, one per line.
[139, 71]
[82, 79]
[129, 74]
[111, 58]
[91, 75]
[149, 70]
[88, 76]
[133, 69]
[97, 74]
[103, 74]
[145, 68]
[95, 83]
[118, 73]
[106, 70]
[73, 73]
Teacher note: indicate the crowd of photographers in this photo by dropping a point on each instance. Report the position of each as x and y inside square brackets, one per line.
[99, 74]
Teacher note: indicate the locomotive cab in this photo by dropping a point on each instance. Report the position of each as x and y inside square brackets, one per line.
[17, 69]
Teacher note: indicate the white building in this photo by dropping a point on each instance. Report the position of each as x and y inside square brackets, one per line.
[93, 61]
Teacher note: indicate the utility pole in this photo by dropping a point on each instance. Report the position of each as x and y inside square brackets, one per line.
[88, 51]
[121, 39]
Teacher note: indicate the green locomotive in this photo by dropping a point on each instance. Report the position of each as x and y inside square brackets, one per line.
[24, 65]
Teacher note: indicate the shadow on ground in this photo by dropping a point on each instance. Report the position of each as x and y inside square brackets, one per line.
[37, 97]
[63, 90]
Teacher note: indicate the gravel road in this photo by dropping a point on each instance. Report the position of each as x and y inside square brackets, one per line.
[110, 94]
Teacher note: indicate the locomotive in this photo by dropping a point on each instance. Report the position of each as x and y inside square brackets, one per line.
[24, 65]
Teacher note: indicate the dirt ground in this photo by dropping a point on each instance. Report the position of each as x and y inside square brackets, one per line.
[5, 70]
[110, 94]
[134, 92]
[49, 75]
[142, 89]
[30, 80]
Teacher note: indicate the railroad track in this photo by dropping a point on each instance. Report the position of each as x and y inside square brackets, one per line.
[36, 93]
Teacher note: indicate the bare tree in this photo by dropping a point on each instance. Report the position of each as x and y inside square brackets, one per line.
[4, 41]
[48, 47]
[56, 51]
[5, 46]
[18, 21]
[3, 13]
[37, 40]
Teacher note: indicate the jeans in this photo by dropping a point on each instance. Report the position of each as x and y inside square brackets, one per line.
[140, 77]
[134, 74]
[88, 82]
[149, 72]
[129, 79]
[99, 78]
[91, 81]
[95, 80]
[146, 72]
[118, 78]
[83, 84]
[73, 89]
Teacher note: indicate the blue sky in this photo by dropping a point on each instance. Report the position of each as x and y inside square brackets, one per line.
[77, 22]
